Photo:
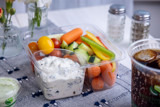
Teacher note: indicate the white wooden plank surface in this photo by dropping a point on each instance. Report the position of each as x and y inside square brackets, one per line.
[93, 15]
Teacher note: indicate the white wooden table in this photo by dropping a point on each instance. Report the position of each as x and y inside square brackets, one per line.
[92, 15]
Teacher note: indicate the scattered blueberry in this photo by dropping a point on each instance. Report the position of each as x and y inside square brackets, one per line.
[1, 58]
[104, 101]
[16, 69]
[19, 79]
[33, 95]
[46, 105]
[10, 72]
[52, 102]
[37, 94]
[97, 104]
[25, 77]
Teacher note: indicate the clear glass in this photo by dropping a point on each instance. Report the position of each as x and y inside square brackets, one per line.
[139, 30]
[115, 27]
[85, 27]
[43, 15]
[9, 41]
[145, 80]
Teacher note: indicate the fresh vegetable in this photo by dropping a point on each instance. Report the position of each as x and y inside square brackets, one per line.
[46, 45]
[153, 91]
[108, 76]
[72, 35]
[79, 41]
[56, 53]
[64, 45]
[72, 57]
[33, 46]
[93, 59]
[100, 54]
[97, 83]
[94, 71]
[93, 38]
[82, 55]
[56, 42]
[57, 36]
[86, 48]
[72, 46]
[98, 47]
[101, 41]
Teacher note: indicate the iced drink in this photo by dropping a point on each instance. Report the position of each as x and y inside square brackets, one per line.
[145, 74]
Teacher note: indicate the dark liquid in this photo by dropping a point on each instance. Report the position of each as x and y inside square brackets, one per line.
[146, 83]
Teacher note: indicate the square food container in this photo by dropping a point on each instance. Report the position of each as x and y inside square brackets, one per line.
[72, 83]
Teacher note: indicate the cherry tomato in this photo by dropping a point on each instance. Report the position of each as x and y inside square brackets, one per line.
[33, 46]
[56, 53]
[56, 43]
[46, 45]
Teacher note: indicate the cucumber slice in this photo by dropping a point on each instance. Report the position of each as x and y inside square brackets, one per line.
[94, 59]
[86, 48]
[99, 47]
[153, 92]
[157, 88]
[72, 46]
[64, 45]
[82, 55]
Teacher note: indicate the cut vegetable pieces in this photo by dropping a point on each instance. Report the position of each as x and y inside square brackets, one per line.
[94, 71]
[71, 36]
[92, 37]
[86, 48]
[72, 46]
[108, 76]
[113, 66]
[64, 45]
[98, 47]
[94, 59]
[82, 55]
[100, 54]
[97, 83]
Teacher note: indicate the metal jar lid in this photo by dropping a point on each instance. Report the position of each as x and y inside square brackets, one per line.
[117, 9]
[141, 15]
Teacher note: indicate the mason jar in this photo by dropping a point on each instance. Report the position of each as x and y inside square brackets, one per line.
[116, 22]
[140, 25]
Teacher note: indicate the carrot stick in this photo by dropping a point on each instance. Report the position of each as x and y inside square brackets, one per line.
[79, 41]
[72, 35]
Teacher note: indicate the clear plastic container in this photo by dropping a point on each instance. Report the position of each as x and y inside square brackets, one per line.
[10, 89]
[145, 79]
[88, 81]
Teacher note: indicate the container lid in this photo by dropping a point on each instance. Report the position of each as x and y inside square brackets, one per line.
[117, 9]
[141, 15]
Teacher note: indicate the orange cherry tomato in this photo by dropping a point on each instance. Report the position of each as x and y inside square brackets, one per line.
[33, 46]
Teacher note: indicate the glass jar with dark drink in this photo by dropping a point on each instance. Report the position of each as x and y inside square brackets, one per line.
[145, 57]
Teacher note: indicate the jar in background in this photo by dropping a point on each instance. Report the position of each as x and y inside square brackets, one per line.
[37, 16]
[140, 25]
[116, 22]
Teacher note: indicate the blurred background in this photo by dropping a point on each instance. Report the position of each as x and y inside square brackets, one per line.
[153, 6]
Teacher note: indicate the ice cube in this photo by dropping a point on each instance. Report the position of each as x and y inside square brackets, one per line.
[145, 55]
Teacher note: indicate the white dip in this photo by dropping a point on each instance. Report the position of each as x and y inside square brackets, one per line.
[9, 88]
[59, 77]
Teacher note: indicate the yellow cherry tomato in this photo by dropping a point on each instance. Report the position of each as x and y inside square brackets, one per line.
[46, 45]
